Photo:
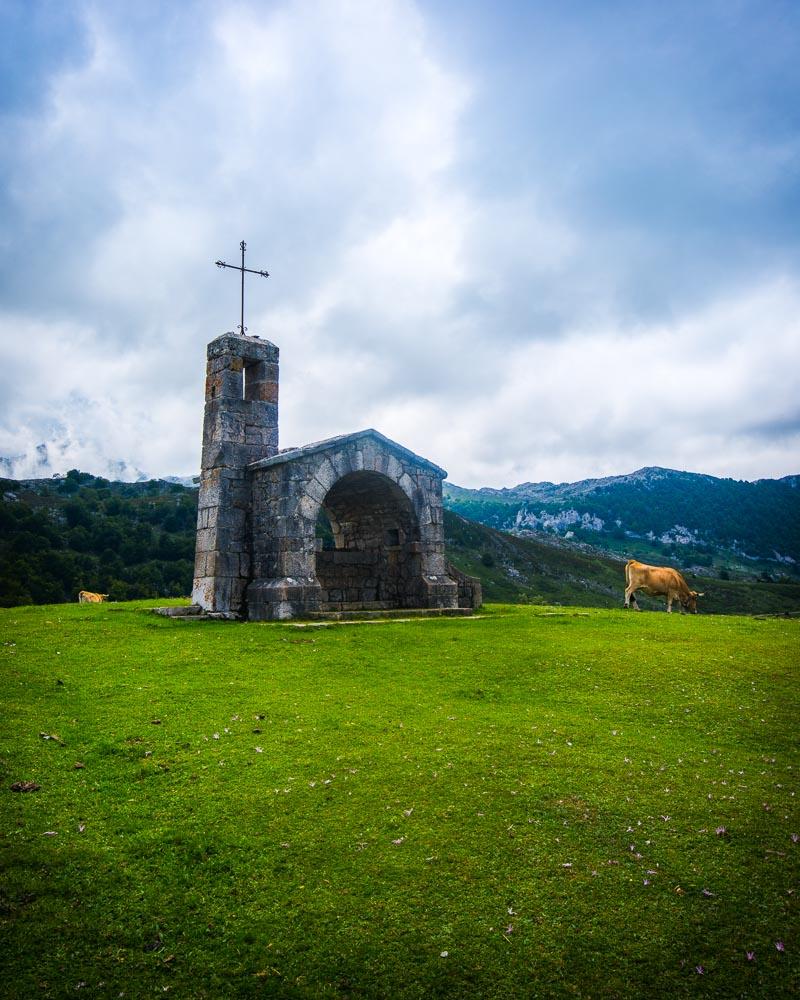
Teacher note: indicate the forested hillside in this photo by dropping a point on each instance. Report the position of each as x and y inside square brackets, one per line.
[131, 540]
[733, 527]
[59, 536]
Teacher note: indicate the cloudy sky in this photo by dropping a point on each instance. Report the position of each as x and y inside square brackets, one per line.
[538, 240]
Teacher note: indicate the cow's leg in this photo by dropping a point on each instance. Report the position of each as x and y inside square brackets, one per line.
[630, 598]
[669, 604]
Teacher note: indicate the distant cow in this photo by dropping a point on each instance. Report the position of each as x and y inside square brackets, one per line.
[87, 597]
[658, 581]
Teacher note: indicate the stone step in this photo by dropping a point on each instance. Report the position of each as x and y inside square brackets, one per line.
[366, 615]
[180, 611]
[357, 606]
[194, 613]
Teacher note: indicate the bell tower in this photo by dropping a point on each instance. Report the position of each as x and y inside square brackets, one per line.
[240, 426]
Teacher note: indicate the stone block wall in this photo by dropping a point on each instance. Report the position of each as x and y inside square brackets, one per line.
[240, 426]
[385, 509]
[470, 592]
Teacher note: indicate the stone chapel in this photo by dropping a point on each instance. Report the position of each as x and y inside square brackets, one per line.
[350, 524]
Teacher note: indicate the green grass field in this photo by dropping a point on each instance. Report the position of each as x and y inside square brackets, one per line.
[536, 803]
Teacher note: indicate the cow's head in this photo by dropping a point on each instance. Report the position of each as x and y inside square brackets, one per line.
[690, 601]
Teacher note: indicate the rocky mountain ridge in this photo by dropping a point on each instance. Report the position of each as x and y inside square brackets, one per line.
[653, 513]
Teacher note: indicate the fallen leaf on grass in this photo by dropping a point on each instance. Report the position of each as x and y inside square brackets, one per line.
[25, 786]
[78, 765]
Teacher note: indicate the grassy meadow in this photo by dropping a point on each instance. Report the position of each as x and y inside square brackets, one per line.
[537, 802]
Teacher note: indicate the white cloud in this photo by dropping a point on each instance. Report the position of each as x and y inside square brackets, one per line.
[489, 329]
[688, 395]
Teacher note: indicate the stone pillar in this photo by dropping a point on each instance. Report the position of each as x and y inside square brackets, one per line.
[437, 588]
[240, 426]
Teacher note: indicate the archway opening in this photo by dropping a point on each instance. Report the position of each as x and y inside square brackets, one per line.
[367, 545]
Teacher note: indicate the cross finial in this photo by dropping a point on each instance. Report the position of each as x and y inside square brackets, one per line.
[242, 268]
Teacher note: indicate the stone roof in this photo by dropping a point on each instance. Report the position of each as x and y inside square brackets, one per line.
[341, 441]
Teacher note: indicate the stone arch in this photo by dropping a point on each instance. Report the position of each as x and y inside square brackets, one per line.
[375, 559]
[385, 508]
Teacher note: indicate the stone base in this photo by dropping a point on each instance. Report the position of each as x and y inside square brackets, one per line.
[194, 613]
[438, 592]
[470, 592]
[290, 597]
[278, 600]
[218, 593]
[403, 614]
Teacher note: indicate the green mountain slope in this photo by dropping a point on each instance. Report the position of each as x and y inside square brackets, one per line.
[513, 568]
[721, 525]
[133, 540]
[59, 536]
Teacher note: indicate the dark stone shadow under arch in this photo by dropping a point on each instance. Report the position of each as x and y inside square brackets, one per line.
[374, 562]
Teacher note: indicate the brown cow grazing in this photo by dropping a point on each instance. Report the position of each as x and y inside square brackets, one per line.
[87, 597]
[658, 581]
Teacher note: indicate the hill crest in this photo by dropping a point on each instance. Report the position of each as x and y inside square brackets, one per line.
[655, 514]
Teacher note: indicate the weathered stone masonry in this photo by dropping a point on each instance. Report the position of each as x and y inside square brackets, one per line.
[257, 550]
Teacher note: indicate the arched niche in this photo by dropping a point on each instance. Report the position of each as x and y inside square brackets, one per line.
[374, 558]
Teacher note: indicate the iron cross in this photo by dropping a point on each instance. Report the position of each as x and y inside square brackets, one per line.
[264, 274]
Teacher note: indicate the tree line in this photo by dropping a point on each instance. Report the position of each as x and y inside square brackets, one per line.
[82, 532]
